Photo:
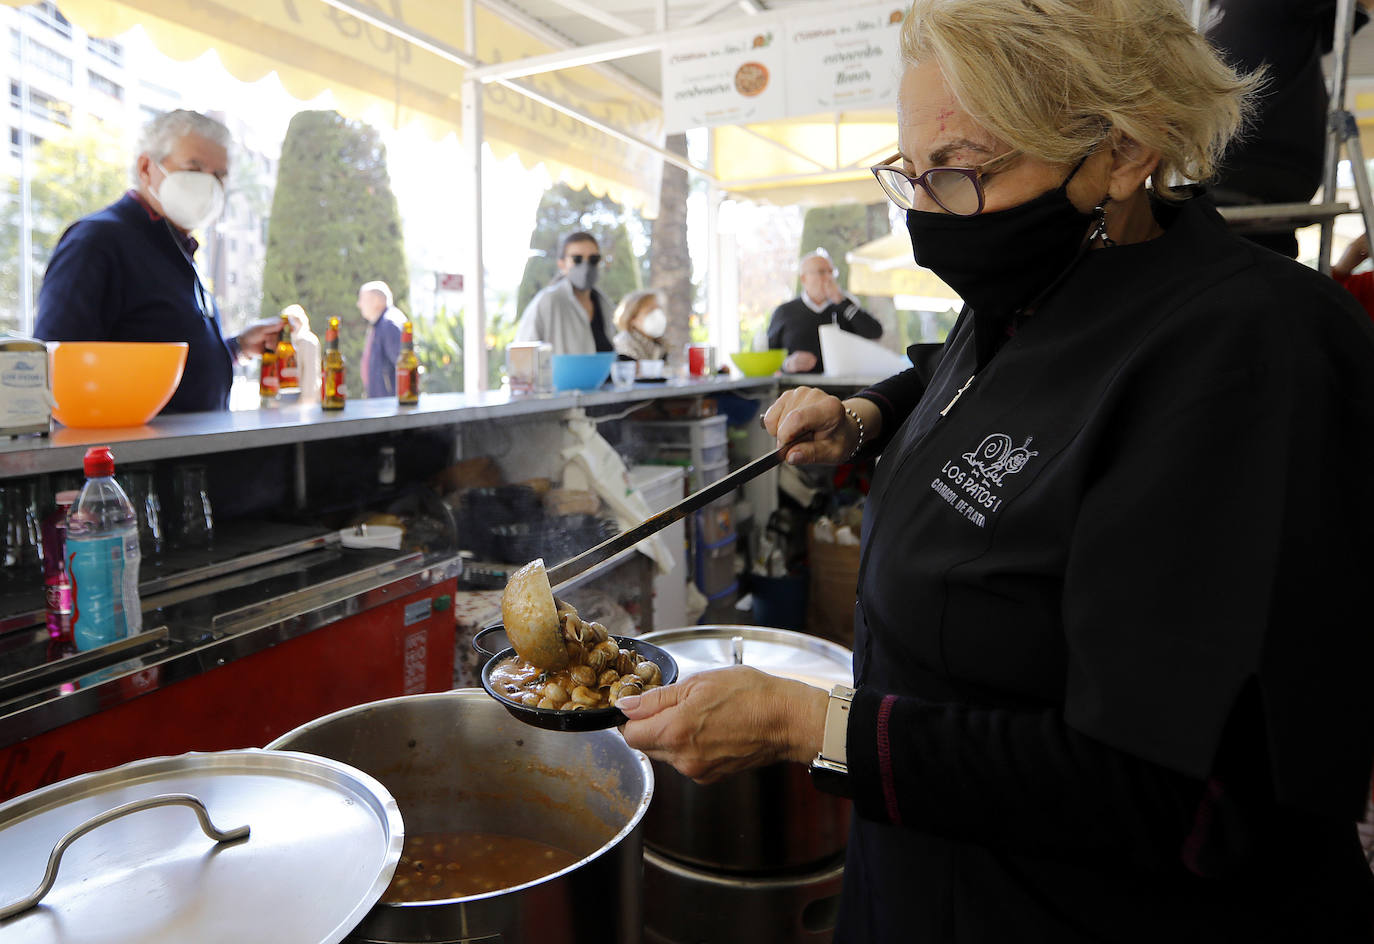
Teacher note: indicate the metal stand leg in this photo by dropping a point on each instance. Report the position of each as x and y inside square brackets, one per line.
[1348, 133]
[1337, 128]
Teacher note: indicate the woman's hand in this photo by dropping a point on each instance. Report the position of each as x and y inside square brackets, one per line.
[808, 411]
[726, 720]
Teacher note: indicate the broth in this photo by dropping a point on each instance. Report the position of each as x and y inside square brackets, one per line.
[436, 866]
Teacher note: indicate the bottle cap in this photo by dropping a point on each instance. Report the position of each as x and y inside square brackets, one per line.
[99, 462]
[66, 498]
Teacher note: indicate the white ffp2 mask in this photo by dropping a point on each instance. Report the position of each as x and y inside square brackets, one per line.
[653, 323]
[190, 198]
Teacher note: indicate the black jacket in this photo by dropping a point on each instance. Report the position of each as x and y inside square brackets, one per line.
[1112, 644]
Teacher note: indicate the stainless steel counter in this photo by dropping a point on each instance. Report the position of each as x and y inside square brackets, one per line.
[830, 381]
[188, 634]
[192, 434]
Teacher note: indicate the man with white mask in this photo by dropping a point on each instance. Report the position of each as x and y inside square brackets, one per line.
[570, 313]
[128, 272]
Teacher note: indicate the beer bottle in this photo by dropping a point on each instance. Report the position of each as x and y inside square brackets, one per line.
[288, 371]
[268, 381]
[332, 393]
[407, 369]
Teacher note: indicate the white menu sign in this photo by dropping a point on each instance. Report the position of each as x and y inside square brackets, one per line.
[735, 78]
[844, 61]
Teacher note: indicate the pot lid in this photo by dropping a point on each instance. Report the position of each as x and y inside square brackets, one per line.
[780, 652]
[323, 841]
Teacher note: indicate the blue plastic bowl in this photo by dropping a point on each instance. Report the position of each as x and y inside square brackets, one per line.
[581, 371]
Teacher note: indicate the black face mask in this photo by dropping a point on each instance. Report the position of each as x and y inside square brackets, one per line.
[1001, 262]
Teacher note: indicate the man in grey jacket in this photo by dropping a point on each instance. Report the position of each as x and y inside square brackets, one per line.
[570, 313]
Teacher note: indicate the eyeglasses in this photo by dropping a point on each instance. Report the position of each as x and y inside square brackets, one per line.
[956, 190]
[594, 259]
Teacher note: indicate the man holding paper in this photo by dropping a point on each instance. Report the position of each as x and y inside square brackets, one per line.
[795, 324]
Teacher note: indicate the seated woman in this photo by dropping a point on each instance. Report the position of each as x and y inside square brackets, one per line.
[640, 323]
[1112, 637]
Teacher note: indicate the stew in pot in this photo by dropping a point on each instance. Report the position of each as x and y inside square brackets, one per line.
[437, 866]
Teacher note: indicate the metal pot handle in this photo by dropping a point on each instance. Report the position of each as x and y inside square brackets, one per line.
[166, 799]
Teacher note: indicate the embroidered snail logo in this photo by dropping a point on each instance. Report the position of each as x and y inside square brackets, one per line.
[996, 458]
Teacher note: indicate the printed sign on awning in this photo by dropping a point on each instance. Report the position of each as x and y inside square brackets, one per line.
[784, 66]
[843, 61]
[735, 78]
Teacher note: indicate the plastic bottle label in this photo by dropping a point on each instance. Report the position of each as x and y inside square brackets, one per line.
[105, 589]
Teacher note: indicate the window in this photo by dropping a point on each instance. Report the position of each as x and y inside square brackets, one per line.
[48, 14]
[45, 106]
[15, 100]
[16, 136]
[40, 56]
[107, 49]
[49, 60]
[105, 86]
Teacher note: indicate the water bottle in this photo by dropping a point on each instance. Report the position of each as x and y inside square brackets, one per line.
[102, 550]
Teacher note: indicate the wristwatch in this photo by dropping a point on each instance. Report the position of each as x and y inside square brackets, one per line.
[830, 769]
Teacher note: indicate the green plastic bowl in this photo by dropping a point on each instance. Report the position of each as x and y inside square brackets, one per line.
[759, 363]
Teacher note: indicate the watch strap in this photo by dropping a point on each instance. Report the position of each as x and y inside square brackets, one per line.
[830, 769]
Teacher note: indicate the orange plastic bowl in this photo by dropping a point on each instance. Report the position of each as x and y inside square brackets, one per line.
[99, 384]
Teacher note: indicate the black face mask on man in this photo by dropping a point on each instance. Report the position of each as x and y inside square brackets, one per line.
[1001, 262]
[583, 275]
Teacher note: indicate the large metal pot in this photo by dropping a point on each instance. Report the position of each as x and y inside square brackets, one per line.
[762, 821]
[456, 761]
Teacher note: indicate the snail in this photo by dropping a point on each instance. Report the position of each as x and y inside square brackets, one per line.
[563, 662]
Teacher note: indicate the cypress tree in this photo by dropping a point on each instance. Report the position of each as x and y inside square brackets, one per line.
[334, 226]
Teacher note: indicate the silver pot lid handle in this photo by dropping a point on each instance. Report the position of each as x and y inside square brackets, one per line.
[737, 649]
[95, 822]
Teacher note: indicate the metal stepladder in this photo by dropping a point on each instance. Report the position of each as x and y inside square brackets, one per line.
[1342, 132]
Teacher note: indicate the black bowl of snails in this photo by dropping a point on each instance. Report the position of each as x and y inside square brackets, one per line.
[562, 700]
[562, 672]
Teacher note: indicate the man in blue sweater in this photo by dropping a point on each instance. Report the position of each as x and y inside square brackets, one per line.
[128, 273]
[383, 342]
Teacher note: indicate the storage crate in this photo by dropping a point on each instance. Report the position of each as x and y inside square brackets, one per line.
[716, 522]
[689, 455]
[703, 476]
[715, 571]
[687, 434]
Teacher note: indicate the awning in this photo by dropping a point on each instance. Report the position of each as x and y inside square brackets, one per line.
[814, 161]
[313, 46]
[885, 267]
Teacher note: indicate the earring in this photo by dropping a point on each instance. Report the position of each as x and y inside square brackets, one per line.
[1100, 229]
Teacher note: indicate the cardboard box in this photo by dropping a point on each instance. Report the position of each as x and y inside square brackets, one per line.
[833, 590]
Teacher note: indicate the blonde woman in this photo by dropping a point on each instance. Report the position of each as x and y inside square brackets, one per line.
[1112, 637]
[640, 324]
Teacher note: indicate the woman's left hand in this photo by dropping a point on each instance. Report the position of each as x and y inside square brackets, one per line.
[726, 720]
